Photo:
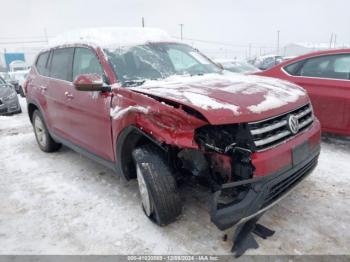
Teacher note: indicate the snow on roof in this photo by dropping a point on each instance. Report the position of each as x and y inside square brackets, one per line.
[111, 36]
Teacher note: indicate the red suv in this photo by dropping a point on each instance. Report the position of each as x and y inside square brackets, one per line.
[160, 111]
[326, 77]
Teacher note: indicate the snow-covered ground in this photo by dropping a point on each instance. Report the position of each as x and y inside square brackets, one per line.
[63, 203]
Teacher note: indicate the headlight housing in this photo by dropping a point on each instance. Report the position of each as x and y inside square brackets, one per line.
[11, 96]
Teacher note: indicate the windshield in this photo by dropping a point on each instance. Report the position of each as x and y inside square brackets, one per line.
[134, 65]
[5, 76]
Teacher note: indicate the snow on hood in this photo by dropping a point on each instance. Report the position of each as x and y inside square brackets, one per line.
[222, 97]
[111, 37]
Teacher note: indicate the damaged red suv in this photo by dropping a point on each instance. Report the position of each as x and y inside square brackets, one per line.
[160, 111]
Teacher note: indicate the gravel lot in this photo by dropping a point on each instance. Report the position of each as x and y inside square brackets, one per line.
[63, 203]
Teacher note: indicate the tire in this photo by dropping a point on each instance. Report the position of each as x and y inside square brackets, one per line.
[156, 183]
[43, 138]
[21, 92]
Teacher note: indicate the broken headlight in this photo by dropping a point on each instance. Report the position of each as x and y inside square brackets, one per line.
[218, 138]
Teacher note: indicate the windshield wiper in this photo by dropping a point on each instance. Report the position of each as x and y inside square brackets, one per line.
[133, 83]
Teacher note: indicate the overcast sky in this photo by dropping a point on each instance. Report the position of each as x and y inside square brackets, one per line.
[233, 21]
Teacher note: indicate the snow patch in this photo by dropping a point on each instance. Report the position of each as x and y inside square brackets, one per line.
[118, 111]
[206, 102]
[269, 103]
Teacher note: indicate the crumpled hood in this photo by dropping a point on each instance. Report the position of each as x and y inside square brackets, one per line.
[229, 97]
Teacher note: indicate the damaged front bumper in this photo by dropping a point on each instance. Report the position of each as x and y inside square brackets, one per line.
[261, 193]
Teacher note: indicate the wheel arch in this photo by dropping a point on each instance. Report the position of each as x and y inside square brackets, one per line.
[31, 108]
[129, 138]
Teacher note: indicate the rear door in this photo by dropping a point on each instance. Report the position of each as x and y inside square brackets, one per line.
[61, 60]
[38, 83]
[326, 78]
[89, 112]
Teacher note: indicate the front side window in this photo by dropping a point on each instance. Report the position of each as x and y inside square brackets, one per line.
[86, 62]
[330, 66]
[2, 82]
[158, 61]
[342, 65]
[41, 64]
[61, 64]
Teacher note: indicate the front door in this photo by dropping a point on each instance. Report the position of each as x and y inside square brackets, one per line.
[89, 112]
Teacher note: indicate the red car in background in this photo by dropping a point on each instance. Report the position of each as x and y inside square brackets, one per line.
[326, 77]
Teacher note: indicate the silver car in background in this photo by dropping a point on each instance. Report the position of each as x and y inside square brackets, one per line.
[9, 103]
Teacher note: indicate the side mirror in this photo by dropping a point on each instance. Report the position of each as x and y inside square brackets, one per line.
[90, 82]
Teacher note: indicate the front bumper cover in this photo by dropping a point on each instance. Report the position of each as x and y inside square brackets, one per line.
[262, 194]
[11, 106]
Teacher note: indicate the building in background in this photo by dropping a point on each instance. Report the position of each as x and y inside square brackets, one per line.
[296, 49]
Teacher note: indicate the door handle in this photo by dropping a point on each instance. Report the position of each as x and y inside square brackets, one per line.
[68, 95]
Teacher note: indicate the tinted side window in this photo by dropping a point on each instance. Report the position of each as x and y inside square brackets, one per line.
[330, 66]
[2, 82]
[342, 64]
[61, 64]
[86, 62]
[41, 64]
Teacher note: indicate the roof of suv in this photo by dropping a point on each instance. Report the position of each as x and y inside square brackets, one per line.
[313, 54]
[109, 37]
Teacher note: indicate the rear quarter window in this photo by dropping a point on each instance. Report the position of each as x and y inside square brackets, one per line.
[293, 69]
[41, 64]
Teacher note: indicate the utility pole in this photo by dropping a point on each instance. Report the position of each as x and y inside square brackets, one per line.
[278, 42]
[143, 22]
[335, 41]
[250, 51]
[181, 25]
[46, 37]
[330, 41]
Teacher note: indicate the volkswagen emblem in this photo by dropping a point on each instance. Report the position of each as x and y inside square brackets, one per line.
[293, 124]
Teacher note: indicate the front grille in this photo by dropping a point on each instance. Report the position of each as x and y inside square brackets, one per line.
[281, 187]
[272, 131]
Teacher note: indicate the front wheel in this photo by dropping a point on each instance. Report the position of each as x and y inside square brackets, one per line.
[160, 199]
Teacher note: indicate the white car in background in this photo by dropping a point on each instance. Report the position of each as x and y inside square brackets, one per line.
[237, 66]
[19, 76]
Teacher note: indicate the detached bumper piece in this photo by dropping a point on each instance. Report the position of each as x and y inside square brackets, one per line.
[253, 197]
[243, 238]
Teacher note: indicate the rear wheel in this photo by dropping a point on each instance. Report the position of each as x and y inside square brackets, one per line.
[45, 141]
[160, 199]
